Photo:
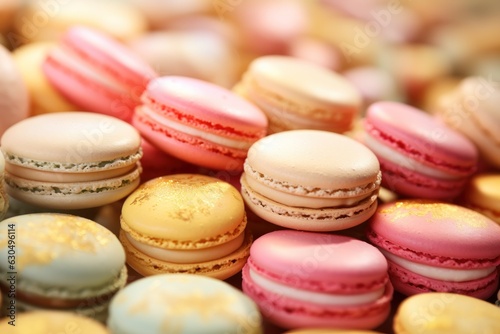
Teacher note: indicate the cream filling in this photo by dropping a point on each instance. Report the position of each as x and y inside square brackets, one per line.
[290, 199]
[220, 140]
[321, 298]
[443, 274]
[189, 256]
[399, 159]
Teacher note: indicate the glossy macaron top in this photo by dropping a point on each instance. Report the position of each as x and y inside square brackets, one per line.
[182, 303]
[71, 142]
[483, 192]
[184, 211]
[44, 322]
[302, 82]
[429, 231]
[205, 106]
[446, 313]
[317, 261]
[59, 250]
[313, 162]
[413, 132]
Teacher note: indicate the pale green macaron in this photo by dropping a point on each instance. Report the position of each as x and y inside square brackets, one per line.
[59, 262]
[182, 303]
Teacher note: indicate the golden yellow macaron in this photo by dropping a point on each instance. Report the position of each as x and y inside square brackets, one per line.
[50, 322]
[483, 195]
[185, 223]
[446, 313]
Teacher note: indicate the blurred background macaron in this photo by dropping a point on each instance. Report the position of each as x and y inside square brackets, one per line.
[185, 223]
[4, 199]
[63, 262]
[182, 303]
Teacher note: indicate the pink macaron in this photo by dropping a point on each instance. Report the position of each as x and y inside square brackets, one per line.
[437, 246]
[97, 73]
[419, 156]
[199, 122]
[304, 279]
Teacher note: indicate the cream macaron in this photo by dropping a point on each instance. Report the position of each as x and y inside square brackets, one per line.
[71, 160]
[299, 94]
[4, 200]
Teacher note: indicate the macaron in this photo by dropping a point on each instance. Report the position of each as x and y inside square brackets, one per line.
[327, 102]
[437, 247]
[304, 279]
[419, 156]
[185, 223]
[446, 313]
[182, 303]
[483, 195]
[14, 98]
[97, 73]
[43, 97]
[471, 109]
[199, 122]
[328, 331]
[45, 322]
[4, 199]
[311, 180]
[61, 262]
[71, 160]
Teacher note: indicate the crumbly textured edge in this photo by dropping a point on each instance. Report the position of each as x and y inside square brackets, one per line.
[73, 167]
[220, 268]
[190, 244]
[287, 187]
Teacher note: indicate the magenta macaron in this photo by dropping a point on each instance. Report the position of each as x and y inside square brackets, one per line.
[97, 73]
[199, 122]
[304, 279]
[419, 156]
[436, 246]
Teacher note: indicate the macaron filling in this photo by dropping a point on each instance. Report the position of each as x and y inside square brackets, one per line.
[194, 131]
[439, 273]
[330, 299]
[188, 256]
[394, 156]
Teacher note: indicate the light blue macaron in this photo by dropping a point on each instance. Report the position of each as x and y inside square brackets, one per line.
[182, 303]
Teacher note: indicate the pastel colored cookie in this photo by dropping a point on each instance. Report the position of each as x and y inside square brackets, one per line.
[97, 73]
[304, 279]
[185, 223]
[45, 322]
[14, 98]
[4, 199]
[182, 303]
[435, 246]
[62, 262]
[446, 313]
[199, 122]
[419, 156]
[71, 160]
[327, 102]
[311, 180]
[472, 109]
[44, 98]
[483, 195]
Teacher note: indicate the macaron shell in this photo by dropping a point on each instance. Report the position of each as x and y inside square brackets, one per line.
[182, 303]
[73, 137]
[43, 322]
[426, 140]
[446, 313]
[221, 268]
[328, 331]
[182, 211]
[436, 233]
[310, 159]
[483, 195]
[198, 103]
[4, 200]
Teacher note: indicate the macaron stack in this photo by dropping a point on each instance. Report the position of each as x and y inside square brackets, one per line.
[264, 166]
